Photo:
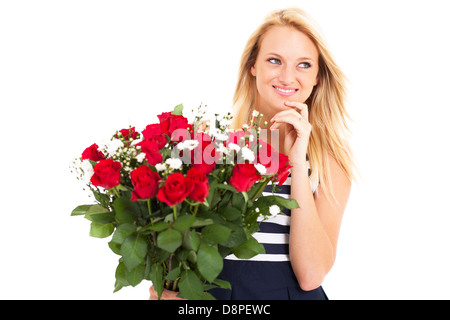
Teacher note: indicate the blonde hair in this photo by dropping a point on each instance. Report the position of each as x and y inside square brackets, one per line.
[326, 108]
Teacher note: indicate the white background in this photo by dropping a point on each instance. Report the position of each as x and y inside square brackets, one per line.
[73, 72]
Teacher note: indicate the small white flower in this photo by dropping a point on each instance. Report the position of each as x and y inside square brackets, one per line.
[257, 210]
[245, 127]
[261, 168]
[174, 163]
[233, 146]
[221, 148]
[140, 157]
[135, 142]
[248, 154]
[221, 137]
[255, 113]
[225, 122]
[274, 210]
[113, 146]
[160, 167]
[88, 170]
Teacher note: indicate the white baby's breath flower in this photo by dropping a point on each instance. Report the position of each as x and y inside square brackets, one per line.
[221, 137]
[135, 142]
[274, 210]
[233, 146]
[160, 167]
[225, 122]
[88, 170]
[261, 168]
[187, 144]
[221, 148]
[255, 113]
[248, 154]
[112, 146]
[174, 163]
[140, 157]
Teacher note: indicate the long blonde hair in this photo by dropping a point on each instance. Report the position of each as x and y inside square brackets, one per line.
[326, 108]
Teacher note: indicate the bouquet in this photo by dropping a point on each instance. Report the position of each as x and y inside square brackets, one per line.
[178, 197]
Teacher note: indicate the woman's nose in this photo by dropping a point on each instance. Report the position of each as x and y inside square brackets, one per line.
[287, 75]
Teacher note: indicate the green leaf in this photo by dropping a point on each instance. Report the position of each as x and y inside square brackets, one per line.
[184, 222]
[156, 276]
[121, 280]
[237, 236]
[202, 223]
[215, 233]
[133, 250]
[169, 240]
[99, 214]
[160, 226]
[249, 249]
[122, 232]
[81, 210]
[222, 284]
[174, 274]
[191, 240]
[267, 201]
[178, 110]
[209, 262]
[100, 230]
[126, 210]
[230, 213]
[135, 276]
[190, 286]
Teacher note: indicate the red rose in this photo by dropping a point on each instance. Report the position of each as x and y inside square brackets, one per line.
[145, 183]
[176, 188]
[204, 156]
[128, 134]
[200, 185]
[170, 122]
[151, 150]
[153, 132]
[244, 176]
[92, 153]
[283, 171]
[275, 162]
[106, 174]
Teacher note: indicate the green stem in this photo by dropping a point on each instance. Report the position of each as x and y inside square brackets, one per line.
[149, 205]
[195, 210]
[260, 190]
[175, 212]
[116, 192]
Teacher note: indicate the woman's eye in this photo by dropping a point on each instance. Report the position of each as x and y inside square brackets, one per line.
[274, 61]
[305, 65]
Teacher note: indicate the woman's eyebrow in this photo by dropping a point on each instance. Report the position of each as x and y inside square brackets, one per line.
[280, 56]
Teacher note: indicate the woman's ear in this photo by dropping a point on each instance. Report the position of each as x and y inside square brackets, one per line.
[253, 71]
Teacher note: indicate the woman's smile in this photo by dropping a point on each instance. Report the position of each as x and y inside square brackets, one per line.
[285, 91]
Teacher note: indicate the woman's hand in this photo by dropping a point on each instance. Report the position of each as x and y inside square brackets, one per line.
[166, 295]
[298, 130]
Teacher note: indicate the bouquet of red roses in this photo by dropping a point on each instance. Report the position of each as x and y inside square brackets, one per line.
[178, 197]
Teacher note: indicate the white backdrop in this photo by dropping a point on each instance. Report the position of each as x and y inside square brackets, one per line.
[73, 72]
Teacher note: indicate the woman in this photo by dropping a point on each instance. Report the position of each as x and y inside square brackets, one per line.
[288, 75]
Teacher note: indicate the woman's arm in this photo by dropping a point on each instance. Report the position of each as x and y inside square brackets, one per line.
[315, 225]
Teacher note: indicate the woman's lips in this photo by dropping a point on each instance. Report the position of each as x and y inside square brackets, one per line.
[285, 91]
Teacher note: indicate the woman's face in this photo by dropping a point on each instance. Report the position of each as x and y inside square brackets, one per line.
[286, 69]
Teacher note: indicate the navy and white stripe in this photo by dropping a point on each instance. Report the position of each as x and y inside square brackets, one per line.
[274, 231]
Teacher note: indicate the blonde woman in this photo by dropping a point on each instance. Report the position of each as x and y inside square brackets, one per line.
[288, 75]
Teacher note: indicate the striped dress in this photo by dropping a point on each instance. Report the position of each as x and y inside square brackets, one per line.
[267, 276]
